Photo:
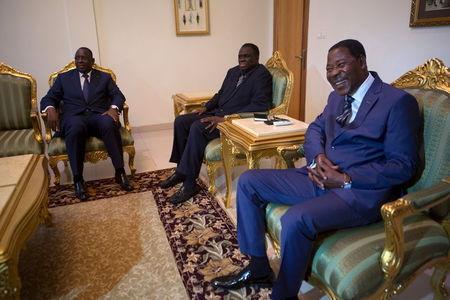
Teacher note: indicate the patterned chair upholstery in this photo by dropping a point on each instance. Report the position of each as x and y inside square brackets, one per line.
[95, 148]
[20, 130]
[283, 82]
[379, 260]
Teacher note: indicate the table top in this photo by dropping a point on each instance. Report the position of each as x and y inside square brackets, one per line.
[195, 96]
[261, 129]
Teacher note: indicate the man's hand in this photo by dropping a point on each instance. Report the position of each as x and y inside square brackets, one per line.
[113, 113]
[200, 111]
[52, 118]
[213, 121]
[326, 174]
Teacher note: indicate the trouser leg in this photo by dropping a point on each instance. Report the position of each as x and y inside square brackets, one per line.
[75, 135]
[181, 128]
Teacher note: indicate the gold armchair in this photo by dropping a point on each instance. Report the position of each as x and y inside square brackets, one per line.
[283, 80]
[20, 130]
[95, 149]
[379, 260]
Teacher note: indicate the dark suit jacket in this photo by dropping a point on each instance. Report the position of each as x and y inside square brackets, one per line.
[254, 94]
[103, 93]
[379, 149]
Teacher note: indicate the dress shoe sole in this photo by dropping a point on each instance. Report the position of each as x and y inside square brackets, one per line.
[176, 200]
[241, 285]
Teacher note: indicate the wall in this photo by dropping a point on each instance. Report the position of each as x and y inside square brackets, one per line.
[392, 47]
[137, 40]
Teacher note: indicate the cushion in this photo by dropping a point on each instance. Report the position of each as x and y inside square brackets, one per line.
[15, 102]
[348, 261]
[279, 83]
[57, 145]
[19, 142]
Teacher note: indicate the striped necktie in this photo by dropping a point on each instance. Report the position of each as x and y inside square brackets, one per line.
[346, 115]
[86, 86]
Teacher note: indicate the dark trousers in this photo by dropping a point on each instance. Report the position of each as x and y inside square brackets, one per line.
[189, 143]
[77, 129]
[312, 211]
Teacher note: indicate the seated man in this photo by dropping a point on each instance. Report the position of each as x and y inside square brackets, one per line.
[246, 88]
[361, 150]
[92, 104]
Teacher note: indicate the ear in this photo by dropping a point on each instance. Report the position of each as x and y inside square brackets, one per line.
[363, 62]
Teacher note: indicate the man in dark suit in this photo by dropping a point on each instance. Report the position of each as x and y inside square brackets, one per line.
[246, 88]
[90, 102]
[361, 150]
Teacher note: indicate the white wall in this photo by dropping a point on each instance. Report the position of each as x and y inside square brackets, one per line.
[392, 47]
[137, 40]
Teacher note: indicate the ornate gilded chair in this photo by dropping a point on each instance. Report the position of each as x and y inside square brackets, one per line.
[20, 130]
[379, 260]
[95, 148]
[282, 89]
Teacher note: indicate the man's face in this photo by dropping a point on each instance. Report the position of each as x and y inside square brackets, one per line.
[247, 58]
[345, 72]
[83, 60]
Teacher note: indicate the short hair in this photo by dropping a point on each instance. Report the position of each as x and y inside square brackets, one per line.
[88, 50]
[355, 47]
[253, 47]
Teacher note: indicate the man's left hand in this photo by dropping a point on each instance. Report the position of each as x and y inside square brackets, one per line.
[113, 113]
[326, 174]
[213, 121]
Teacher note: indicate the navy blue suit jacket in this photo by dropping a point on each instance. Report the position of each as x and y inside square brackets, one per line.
[254, 94]
[103, 92]
[379, 149]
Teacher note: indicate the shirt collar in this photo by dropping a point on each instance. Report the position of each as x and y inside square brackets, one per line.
[81, 75]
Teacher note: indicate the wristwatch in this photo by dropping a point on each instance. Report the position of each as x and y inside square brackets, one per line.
[347, 184]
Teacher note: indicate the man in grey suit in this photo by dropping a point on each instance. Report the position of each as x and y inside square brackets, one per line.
[361, 151]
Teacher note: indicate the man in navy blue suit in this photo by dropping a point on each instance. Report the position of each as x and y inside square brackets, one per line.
[90, 103]
[246, 88]
[360, 151]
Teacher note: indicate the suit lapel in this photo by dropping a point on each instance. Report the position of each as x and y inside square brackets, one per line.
[93, 83]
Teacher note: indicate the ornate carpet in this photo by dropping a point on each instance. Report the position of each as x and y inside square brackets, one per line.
[118, 238]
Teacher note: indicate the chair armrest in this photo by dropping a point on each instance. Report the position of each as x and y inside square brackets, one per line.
[48, 130]
[126, 122]
[393, 214]
[291, 154]
[36, 126]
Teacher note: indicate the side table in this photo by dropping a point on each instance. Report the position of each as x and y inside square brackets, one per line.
[187, 102]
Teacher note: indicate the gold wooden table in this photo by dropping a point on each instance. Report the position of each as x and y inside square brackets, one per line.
[256, 140]
[187, 102]
[23, 206]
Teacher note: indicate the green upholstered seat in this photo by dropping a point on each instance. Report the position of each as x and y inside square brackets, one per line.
[20, 131]
[348, 262]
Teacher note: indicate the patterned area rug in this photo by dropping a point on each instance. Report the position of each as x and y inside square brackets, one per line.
[200, 234]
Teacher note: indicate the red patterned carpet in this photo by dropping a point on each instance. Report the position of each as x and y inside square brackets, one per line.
[200, 234]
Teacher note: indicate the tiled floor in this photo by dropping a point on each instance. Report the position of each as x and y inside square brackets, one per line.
[152, 153]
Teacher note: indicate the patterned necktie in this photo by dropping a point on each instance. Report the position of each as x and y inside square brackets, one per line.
[241, 78]
[343, 118]
[86, 86]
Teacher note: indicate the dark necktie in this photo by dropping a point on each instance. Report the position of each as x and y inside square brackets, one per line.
[343, 118]
[86, 86]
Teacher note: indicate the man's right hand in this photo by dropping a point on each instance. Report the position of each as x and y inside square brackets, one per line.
[200, 111]
[53, 118]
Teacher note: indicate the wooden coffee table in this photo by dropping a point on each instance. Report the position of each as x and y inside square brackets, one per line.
[23, 206]
[187, 102]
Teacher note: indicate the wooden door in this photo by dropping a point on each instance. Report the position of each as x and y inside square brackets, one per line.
[290, 39]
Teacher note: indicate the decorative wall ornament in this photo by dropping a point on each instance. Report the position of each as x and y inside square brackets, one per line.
[191, 17]
[430, 13]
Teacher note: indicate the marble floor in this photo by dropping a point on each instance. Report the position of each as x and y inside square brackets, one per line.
[152, 153]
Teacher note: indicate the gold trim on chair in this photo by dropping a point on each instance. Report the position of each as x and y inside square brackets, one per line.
[5, 69]
[93, 156]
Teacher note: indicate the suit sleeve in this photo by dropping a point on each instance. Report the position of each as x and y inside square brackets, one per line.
[262, 93]
[400, 147]
[54, 95]
[114, 93]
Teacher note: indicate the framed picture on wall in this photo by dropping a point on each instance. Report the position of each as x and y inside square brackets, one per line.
[430, 13]
[191, 17]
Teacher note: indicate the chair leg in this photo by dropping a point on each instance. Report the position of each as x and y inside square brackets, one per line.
[438, 281]
[212, 180]
[131, 153]
[54, 166]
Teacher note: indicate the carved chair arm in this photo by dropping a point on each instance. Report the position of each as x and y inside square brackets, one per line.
[393, 214]
[36, 126]
[291, 154]
[48, 130]
[126, 122]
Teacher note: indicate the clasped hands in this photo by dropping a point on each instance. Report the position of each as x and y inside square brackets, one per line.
[212, 120]
[325, 174]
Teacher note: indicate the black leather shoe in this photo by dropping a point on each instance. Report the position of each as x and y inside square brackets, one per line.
[244, 278]
[121, 178]
[184, 194]
[80, 191]
[171, 181]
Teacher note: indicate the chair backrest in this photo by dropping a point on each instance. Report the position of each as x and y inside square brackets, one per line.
[283, 81]
[17, 98]
[71, 66]
[430, 85]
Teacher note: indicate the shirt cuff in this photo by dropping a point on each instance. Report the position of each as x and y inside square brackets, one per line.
[45, 109]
